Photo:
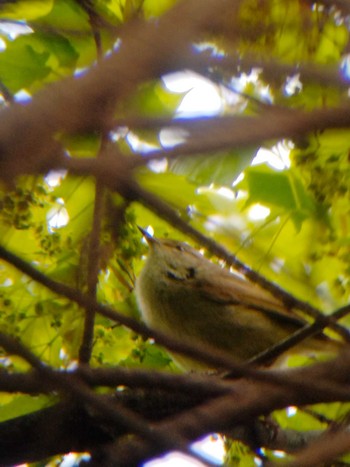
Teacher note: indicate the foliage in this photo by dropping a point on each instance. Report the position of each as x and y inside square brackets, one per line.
[279, 201]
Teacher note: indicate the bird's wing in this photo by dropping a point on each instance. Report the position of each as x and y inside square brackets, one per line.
[231, 289]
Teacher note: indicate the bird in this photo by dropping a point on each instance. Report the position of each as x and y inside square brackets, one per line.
[189, 298]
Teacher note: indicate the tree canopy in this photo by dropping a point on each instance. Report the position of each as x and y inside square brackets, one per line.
[92, 145]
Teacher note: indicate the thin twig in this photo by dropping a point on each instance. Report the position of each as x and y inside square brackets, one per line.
[93, 266]
[307, 331]
[191, 384]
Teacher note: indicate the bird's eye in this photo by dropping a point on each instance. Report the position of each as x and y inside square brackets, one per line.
[191, 272]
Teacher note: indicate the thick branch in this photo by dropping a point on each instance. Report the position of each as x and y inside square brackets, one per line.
[176, 413]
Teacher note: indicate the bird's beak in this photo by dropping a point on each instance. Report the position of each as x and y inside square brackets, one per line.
[148, 237]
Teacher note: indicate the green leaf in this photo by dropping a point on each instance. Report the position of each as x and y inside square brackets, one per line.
[21, 65]
[25, 10]
[333, 40]
[36, 57]
[279, 190]
[173, 188]
[157, 7]
[78, 196]
[82, 145]
[220, 169]
[22, 404]
[154, 99]
[76, 19]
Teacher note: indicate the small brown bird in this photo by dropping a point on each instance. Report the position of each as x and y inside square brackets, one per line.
[189, 298]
